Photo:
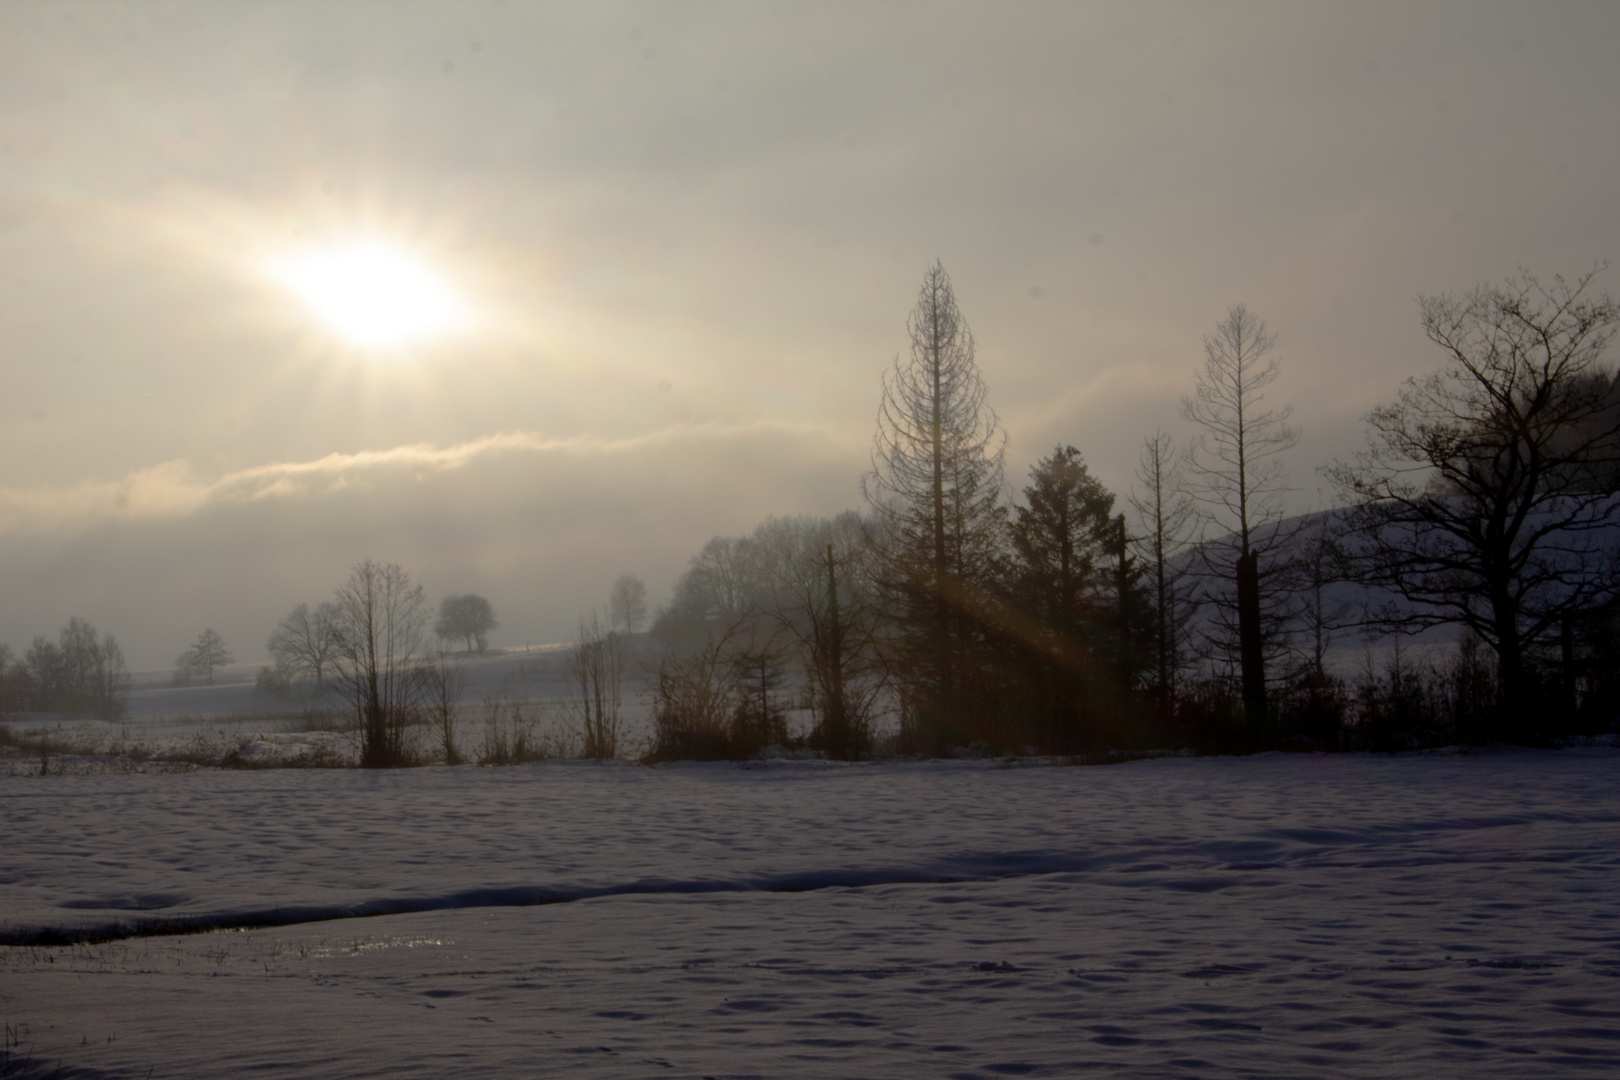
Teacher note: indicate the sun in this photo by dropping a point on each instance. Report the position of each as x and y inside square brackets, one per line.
[372, 295]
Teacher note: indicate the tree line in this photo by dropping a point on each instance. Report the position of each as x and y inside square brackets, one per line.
[952, 615]
[948, 614]
[80, 672]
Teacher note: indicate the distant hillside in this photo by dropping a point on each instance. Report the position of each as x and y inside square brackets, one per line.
[1358, 616]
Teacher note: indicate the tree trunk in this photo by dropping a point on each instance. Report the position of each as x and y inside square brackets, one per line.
[1250, 649]
[1518, 715]
[835, 720]
[1566, 667]
[1122, 598]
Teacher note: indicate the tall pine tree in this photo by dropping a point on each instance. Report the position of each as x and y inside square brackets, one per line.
[936, 492]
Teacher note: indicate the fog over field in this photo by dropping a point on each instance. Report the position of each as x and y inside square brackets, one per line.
[684, 240]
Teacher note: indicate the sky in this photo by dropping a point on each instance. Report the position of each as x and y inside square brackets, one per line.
[669, 250]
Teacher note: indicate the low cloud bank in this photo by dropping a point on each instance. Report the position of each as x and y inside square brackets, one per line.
[541, 526]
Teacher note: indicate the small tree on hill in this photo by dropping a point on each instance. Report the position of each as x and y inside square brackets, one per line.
[206, 653]
[468, 617]
[627, 610]
[304, 643]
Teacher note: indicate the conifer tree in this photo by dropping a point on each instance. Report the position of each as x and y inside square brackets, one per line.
[936, 492]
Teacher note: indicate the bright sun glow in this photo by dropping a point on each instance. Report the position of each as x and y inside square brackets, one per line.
[373, 295]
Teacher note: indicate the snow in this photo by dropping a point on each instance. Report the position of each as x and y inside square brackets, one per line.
[1349, 915]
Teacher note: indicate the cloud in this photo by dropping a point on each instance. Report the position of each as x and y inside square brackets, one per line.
[174, 489]
[540, 525]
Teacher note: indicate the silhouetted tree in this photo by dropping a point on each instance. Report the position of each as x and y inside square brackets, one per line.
[1318, 565]
[936, 492]
[1166, 515]
[597, 664]
[1486, 494]
[1130, 609]
[1062, 537]
[42, 665]
[820, 589]
[199, 661]
[380, 621]
[468, 617]
[694, 700]
[304, 642]
[1314, 702]
[720, 591]
[1235, 471]
[76, 673]
[1059, 656]
[442, 681]
[759, 676]
[110, 680]
[81, 653]
[11, 682]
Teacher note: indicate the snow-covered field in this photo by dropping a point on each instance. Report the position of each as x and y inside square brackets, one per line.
[1434, 915]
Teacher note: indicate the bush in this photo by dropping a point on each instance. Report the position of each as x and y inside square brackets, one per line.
[1311, 711]
[695, 708]
[1209, 714]
[272, 681]
[510, 735]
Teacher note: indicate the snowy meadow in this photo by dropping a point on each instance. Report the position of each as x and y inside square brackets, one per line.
[1346, 915]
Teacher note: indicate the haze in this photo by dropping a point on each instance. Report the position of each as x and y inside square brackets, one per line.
[686, 238]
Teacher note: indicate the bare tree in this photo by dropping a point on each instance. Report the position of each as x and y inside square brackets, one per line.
[303, 643]
[695, 699]
[1487, 492]
[380, 622]
[724, 577]
[78, 672]
[80, 652]
[1166, 515]
[11, 681]
[597, 664]
[110, 680]
[441, 682]
[936, 490]
[759, 668]
[722, 589]
[1235, 470]
[469, 617]
[820, 590]
[42, 671]
[1319, 564]
[627, 610]
[206, 653]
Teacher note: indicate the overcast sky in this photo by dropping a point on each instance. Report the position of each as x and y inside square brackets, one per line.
[684, 239]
